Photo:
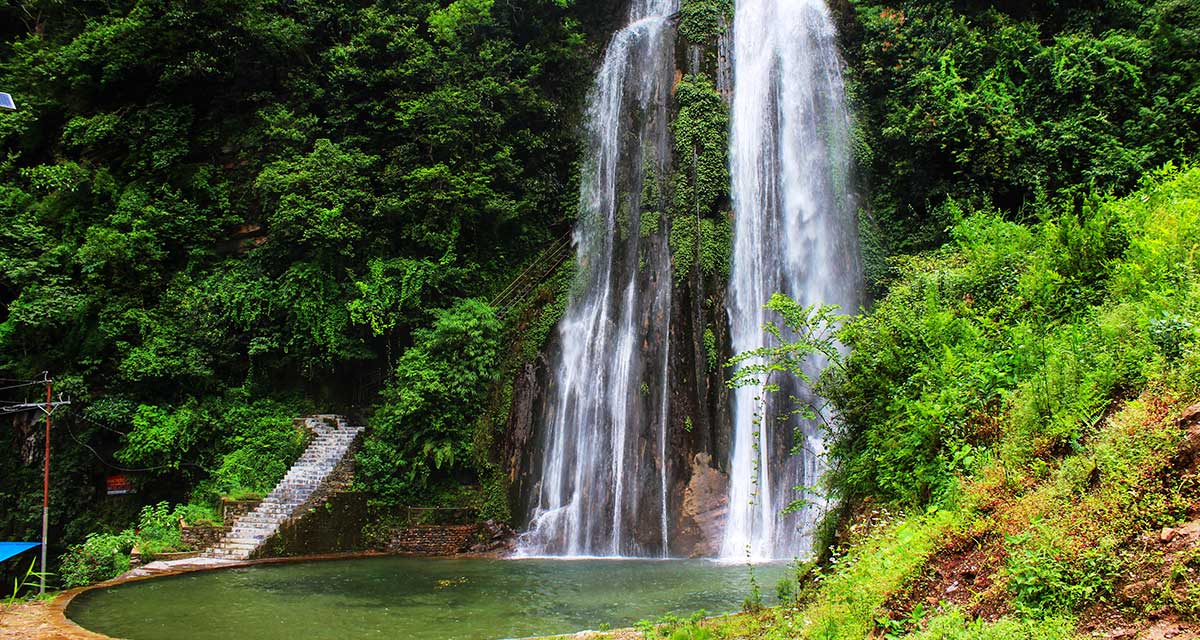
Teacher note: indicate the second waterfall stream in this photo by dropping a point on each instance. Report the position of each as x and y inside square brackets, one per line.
[795, 233]
[604, 469]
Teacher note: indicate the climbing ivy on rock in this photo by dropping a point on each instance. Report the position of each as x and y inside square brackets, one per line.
[701, 21]
[701, 233]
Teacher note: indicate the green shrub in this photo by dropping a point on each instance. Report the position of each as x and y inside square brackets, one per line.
[1046, 579]
[1014, 341]
[259, 443]
[1171, 334]
[427, 420]
[671, 627]
[102, 556]
[199, 515]
[158, 529]
[248, 443]
[954, 625]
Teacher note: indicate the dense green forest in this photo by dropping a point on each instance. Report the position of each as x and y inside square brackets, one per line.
[223, 215]
[1024, 108]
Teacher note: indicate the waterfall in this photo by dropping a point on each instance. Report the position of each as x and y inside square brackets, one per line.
[602, 488]
[795, 232]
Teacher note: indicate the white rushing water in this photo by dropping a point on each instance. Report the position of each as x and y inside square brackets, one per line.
[601, 493]
[795, 233]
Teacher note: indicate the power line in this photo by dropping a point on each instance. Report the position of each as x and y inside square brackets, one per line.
[102, 425]
[96, 454]
[42, 381]
[28, 383]
[47, 407]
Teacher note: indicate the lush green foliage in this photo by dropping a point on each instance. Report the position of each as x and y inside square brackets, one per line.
[1045, 579]
[1040, 326]
[100, 557]
[1015, 105]
[701, 21]
[158, 529]
[847, 594]
[228, 445]
[954, 625]
[215, 208]
[430, 409]
[23, 586]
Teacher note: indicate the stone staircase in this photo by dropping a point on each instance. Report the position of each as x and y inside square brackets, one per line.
[334, 439]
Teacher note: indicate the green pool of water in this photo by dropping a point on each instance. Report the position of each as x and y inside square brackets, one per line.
[416, 598]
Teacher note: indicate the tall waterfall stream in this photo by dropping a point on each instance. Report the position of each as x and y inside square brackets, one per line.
[596, 477]
[795, 232]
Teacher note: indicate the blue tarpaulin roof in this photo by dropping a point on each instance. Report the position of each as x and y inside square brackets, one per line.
[11, 549]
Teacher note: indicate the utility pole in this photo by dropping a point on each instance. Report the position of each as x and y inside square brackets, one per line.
[7, 104]
[46, 488]
[47, 408]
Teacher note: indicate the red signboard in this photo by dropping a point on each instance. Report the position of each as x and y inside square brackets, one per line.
[119, 485]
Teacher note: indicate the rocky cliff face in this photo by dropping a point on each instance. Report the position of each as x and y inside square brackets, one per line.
[686, 195]
[701, 244]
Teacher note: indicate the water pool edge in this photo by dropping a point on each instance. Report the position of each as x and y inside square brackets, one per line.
[64, 628]
[68, 629]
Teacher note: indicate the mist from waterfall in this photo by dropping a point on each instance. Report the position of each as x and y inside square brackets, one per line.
[795, 233]
[601, 492]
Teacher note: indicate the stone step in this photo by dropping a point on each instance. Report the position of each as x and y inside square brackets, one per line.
[306, 476]
[240, 546]
[248, 542]
[256, 519]
[252, 529]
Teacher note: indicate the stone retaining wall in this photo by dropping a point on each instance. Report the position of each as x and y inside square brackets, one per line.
[231, 510]
[202, 537]
[137, 559]
[433, 540]
[332, 525]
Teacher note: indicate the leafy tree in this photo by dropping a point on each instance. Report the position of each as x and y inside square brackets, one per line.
[1024, 107]
[430, 408]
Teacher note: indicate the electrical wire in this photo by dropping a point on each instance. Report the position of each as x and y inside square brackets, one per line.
[43, 380]
[102, 425]
[108, 464]
[18, 386]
